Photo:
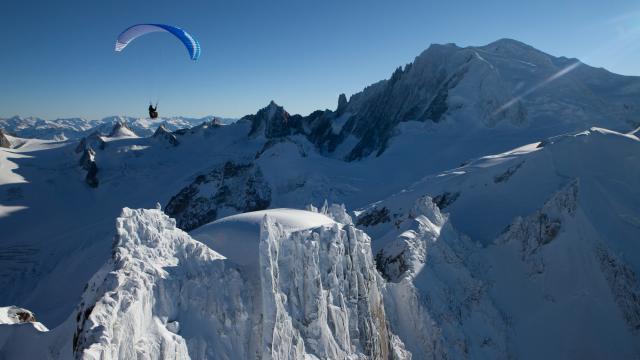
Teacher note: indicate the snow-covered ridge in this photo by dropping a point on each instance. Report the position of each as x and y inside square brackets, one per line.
[163, 295]
[551, 229]
[503, 87]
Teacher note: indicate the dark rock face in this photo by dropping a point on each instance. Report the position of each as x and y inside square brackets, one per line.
[165, 135]
[88, 162]
[447, 82]
[624, 285]
[373, 114]
[92, 175]
[87, 158]
[273, 121]
[237, 187]
[26, 316]
[342, 104]
[374, 217]
[93, 141]
[445, 199]
[389, 266]
[507, 174]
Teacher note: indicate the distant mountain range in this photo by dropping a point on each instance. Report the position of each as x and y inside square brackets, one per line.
[75, 128]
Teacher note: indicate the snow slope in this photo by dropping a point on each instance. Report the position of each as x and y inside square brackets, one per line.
[237, 236]
[551, 248]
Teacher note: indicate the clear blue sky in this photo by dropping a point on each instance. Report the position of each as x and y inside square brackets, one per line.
[57, 57]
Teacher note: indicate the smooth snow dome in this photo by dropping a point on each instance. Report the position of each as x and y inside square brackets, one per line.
[237, 237]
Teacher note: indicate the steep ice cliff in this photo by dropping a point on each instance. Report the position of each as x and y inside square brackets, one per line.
[312, 293]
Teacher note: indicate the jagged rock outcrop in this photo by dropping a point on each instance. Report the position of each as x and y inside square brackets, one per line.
[16, 315]
[240, 187]
[273, 121]
[21, 335]
[4, 141]
[165, 135]
[342, 104]
[93, 141]
[88, 157]
[624, 285]
[543, 227]
[477, 88]
[88, 162]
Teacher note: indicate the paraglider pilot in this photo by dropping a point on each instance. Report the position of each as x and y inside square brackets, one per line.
[153, 112]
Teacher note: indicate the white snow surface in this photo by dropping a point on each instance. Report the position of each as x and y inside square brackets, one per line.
[238, 236]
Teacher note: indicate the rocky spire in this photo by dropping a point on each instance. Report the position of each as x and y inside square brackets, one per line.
[342, 103]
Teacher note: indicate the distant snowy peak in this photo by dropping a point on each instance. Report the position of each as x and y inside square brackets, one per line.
[505, 86]
[75, 128]
[33, 127]
[121, 129]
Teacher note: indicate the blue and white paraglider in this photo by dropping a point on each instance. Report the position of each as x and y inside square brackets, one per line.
[192, 45]
[135, 31]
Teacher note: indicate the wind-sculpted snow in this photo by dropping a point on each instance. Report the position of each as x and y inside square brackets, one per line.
[163, 296]
[314, 293]
[238, 236]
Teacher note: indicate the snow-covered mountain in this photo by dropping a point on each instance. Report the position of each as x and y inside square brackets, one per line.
[507, 90]
[75, 128]
[491, 219]
[550, 239]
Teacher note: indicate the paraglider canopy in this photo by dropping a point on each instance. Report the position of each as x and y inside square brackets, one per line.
[192, 45]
